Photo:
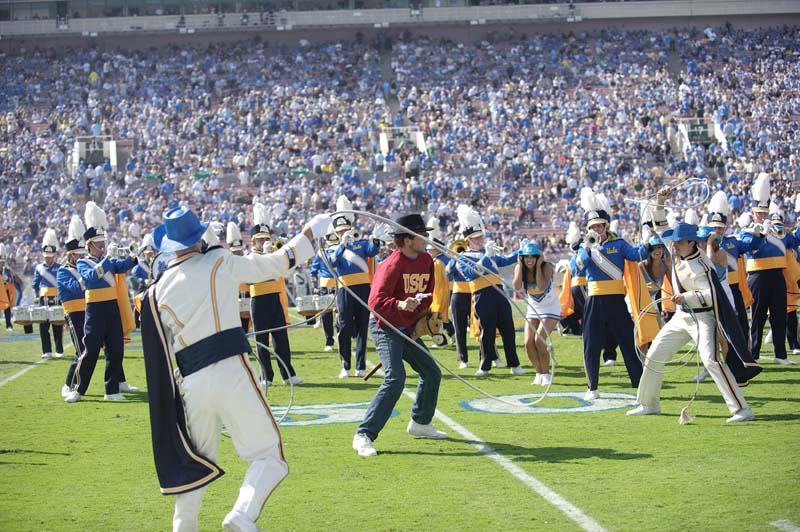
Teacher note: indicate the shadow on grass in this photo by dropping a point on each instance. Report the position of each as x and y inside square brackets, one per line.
[552, 455]
[31, 451]
[350, 384]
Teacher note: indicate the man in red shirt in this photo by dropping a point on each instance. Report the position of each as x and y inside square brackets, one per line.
[401, 293]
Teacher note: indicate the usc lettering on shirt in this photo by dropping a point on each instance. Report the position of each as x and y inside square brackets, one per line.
[415, 282]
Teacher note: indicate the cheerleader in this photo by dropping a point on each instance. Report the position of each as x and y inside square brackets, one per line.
[534, 277]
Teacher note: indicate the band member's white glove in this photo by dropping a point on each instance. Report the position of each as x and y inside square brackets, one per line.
[319, 225]
[758, 229]
[381, 232]
[111, 250]
[488, 248]
[348, 238]
[592, 240]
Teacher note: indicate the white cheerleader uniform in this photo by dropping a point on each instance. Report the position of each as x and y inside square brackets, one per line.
[542, 304]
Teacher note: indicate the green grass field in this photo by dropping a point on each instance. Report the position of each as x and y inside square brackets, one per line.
[88, 466]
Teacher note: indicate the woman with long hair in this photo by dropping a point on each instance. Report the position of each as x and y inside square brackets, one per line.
[534, 277]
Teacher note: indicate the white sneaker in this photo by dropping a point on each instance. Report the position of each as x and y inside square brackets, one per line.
[65, 391]
[238, 522]
[591, 395]
[768, 339]
[796, 351]
[547, 379]
[462, 365]
[610, 362]
[127, 388]
[295, 380]
[265, 383]
[72, 397]
[47, 356]
[537, 380]
[114, 397]
[517, 370]
[425, 431]
[344, 373]
[361, 373]
[318, 324]
[745, 414]
[499, 363]
[642, 410]
[702, 376]
[783, 361]
[328, 348]
[481, 373]
[9, 329]
[58, 355]
[363, 445]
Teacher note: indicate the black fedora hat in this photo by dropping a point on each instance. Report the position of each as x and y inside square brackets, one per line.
[412, 222]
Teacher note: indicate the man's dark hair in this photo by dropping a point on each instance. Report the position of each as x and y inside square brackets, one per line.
[400, 239]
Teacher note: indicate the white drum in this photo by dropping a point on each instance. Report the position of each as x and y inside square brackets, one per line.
[21, 315]
[244, 307]
[305, 305]
[55, 315]
[38, 314]
[324, 302]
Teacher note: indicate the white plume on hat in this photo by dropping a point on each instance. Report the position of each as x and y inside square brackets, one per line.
[76, 229]
[573, 234]
[589, 200]
[95, 217]
[691, 217]
[50, 239]
[210, 236]
[613, 226]
[233, 234]
[744, 220]
[436, 232]
[262, 215]
[344, 204]
[3, 251]
[760, 190]
[705, 219]
[603, 202]
[719, 203]
[774, 208]
[147, 241]
[467, 217]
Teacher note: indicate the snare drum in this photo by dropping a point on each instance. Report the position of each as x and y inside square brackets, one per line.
[55, 315]
[324, 302]
[244, 307]
[38, 314]
[21, 315]
[305, 305]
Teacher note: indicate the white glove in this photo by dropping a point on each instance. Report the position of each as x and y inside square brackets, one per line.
[767, 227]
[348, 238]
[381, 232]
[758, 229]
[111, 250]
[319, 225]
[646, 233]
[489, 248]
[592, 240]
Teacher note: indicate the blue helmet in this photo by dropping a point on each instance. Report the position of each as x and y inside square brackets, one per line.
[530, 249]
[705, 231]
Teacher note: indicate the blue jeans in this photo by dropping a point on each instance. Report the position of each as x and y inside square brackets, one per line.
[392, 350]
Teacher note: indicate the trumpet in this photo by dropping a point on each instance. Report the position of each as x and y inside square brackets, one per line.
[458, 246]
[272, 247]
[123, 252]
[778, 230]
[592, 239]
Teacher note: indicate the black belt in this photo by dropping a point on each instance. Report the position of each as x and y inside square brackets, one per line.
[212, 349]
[686, 308]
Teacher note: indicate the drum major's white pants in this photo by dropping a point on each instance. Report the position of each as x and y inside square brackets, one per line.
[674, 335]
[227, 393]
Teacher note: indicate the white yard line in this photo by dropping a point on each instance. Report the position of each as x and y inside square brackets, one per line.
[21, 372]
[550, 496]
[785, 525]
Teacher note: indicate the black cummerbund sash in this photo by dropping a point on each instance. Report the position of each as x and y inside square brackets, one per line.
[209, 350]
[696, 310]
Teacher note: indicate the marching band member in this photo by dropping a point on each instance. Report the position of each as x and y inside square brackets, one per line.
[218, 384]
[142, 274]
[765, 263]
[72, 295]
[325, 284]
[460, 302]
[606, 259]
[441, 298]
[401, 294]
[267, 308]
[103, 319]
[11, 286]
[573, 285]
[350, 260]
[701, 311]
[492, 310]
[45, 287]
[233, 237]
[534, 277]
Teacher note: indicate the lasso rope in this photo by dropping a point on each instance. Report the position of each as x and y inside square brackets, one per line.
[687, 356]
[685, 184]
[479, 270]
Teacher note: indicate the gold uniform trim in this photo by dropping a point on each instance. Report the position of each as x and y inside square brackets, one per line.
[461, 287]
[171, 312]
[767, 263]
[267, 287]
[327, 282]
[480, 283]
[606, 288]
[96, 295]
[579, 281]
[74, 305]
[48, 291]
[353, 279]
[214, 293]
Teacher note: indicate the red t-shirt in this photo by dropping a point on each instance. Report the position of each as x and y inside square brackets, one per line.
[397, 279]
